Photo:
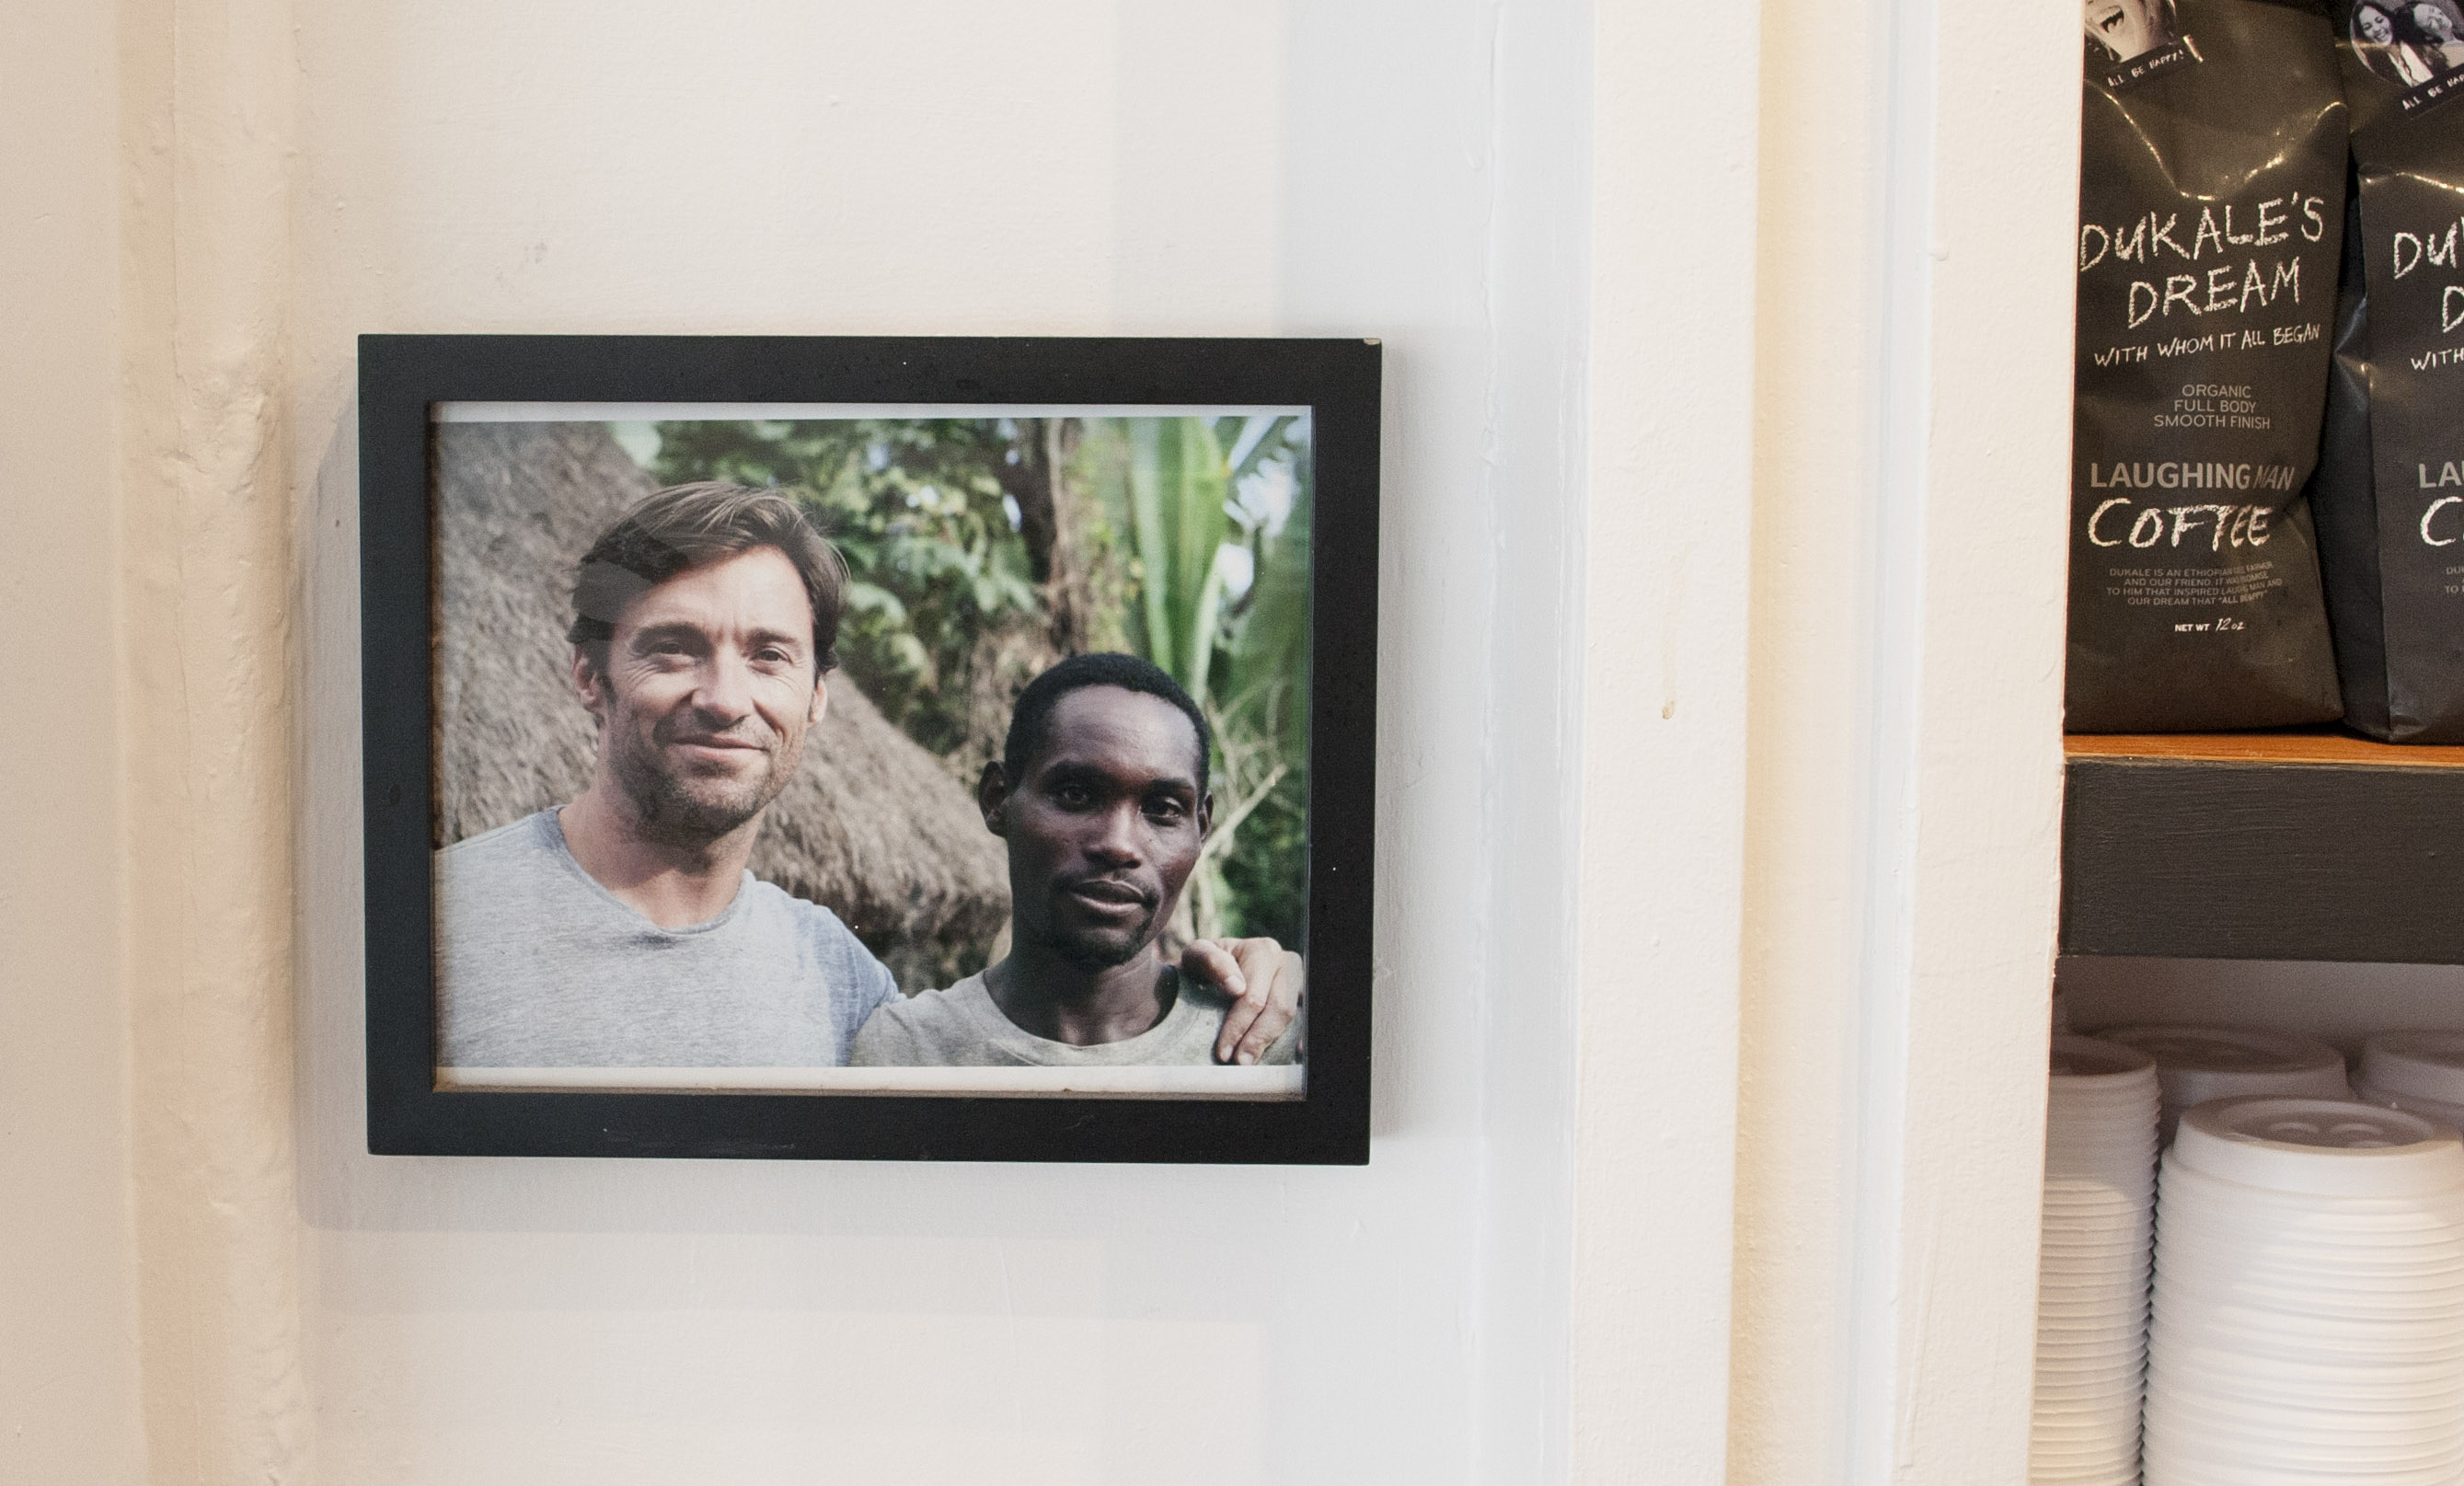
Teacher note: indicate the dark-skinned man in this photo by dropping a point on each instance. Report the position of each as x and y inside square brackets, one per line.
[1101, 795]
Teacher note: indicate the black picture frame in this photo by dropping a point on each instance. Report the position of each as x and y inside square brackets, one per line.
[400, 376]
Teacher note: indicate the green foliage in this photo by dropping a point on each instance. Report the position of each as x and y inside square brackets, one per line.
[1178, 486]
[1200, 499]
[1267, 683]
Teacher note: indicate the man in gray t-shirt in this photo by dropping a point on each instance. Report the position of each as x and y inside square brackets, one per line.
[1101, 795]
[547, 968]
[963, 1027]
[623, 930]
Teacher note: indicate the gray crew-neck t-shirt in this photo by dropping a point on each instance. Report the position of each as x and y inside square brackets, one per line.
[963, 1027]
[537, 965]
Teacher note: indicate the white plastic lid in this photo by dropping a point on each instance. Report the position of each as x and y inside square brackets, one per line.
[2075, 1057]
[2446, 1114]
[2323, 1147]
[2227, 1049]
[2196, 1064]
[2425, 1065]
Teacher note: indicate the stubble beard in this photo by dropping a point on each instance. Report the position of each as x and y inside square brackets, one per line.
[684, 810]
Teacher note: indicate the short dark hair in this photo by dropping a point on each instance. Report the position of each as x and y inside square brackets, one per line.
[670, 531]
[1030, 722]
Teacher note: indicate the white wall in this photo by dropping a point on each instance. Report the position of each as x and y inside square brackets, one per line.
[68, 1316]
[1725, 464]
[1407, 171]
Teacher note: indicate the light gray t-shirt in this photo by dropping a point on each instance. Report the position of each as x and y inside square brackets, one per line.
[537, 965]
[963, 1027]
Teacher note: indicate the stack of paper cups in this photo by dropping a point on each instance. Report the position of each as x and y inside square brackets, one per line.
[2309, 1299]
[2196, 1064]
[2419, 1071]
[2092, 1280]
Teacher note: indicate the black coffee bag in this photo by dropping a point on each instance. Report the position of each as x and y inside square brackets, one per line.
[2212, 194]
[2389, 493]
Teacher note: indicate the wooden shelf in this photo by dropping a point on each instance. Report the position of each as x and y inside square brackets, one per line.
[2299, 845]
[2303, 746]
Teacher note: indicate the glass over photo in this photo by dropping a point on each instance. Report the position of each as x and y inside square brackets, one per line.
[939, 749]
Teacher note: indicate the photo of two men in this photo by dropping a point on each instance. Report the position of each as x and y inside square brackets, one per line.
[795, 751]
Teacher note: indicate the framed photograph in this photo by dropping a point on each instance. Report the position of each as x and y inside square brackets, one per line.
[869, 749]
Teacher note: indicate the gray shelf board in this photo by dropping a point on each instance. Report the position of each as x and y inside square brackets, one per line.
[2263, 859]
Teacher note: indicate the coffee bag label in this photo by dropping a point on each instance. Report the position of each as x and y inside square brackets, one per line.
[2391, 490]
[2210, 220]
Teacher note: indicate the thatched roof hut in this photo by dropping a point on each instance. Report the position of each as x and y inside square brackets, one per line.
[871, 825]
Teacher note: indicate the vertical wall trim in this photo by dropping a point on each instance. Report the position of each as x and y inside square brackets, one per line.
[205, 871]
[1536, 170]
[1668, 534]
[68, 1261]
[1901, 281]
[1963, 851]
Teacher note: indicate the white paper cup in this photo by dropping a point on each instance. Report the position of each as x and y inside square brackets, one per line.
[2099, 1227]
[2366, 1450]
[2261, 1438]
[2307, 1307]
[2304, 1377]
[2329, 1458]
[2193, 1367]
[2269, 1434]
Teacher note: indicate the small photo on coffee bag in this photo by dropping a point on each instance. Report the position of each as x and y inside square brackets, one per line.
[2122, 31]
[2389, 493]
[2212, 209]
[2404, 43]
